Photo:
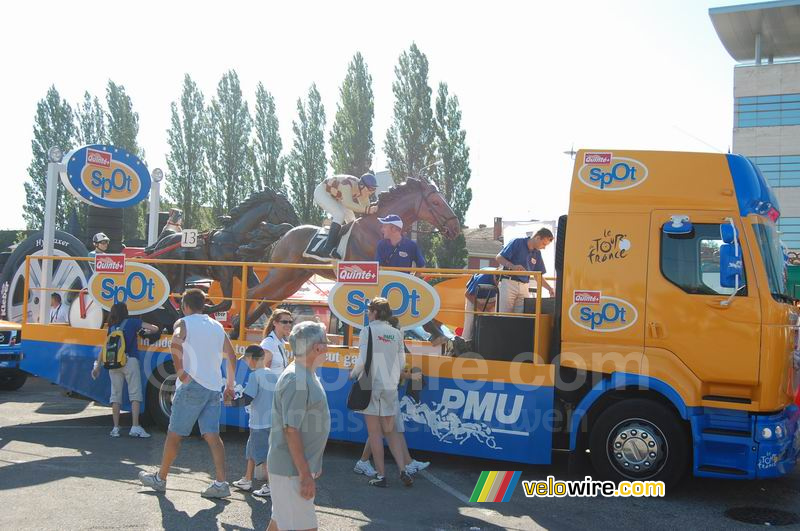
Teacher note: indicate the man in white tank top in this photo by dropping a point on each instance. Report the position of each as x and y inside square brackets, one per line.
[198, 345]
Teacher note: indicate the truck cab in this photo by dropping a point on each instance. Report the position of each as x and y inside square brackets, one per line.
[676, 339]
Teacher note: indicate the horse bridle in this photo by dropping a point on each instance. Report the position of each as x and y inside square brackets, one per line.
[439, 220]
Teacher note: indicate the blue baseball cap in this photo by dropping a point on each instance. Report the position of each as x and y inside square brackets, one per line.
[369, 180]
[392, 219]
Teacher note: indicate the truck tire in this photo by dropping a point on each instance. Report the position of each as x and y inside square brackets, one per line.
[158, 397]
[12, 380]
[67, 274]
[639, 439]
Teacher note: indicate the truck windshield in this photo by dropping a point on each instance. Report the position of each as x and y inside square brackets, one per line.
[774, 264]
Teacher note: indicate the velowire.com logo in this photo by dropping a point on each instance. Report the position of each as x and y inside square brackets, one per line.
[494, 486]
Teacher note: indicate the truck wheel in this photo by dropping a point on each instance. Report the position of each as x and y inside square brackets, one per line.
[160, 390]
[639, 439]
[12, 380]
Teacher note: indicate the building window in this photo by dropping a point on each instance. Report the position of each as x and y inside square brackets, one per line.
[790, 232]
[691, 261]
[767, 111]
[484, 263]
[779, 171]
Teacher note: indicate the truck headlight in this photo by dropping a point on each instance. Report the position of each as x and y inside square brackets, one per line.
[779, 432]
[766, 433]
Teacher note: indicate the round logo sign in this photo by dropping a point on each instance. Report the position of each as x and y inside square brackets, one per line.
[611, 174]
[142, 288]
[414, 302]
[602, 313]
[106, 176]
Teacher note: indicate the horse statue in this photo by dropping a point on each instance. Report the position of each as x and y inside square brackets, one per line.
[245, 235]
[414, 200]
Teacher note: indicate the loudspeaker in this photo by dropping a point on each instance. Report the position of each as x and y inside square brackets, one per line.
[502, 338]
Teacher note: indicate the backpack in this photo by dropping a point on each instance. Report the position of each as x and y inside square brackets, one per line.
[114, 354]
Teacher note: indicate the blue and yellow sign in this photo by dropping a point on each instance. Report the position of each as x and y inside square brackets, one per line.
[142, 288]
[414, 302]
[106, 176]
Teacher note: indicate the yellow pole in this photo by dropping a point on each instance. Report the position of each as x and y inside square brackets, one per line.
[538, 318]
[243, 305]
[25, 292]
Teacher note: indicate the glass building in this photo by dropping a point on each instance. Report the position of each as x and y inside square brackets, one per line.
[764, 40]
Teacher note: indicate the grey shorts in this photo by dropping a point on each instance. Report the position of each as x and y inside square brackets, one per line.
[130, 373]
[257, 445]
[194, 403]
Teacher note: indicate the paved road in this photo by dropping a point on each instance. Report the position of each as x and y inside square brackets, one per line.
[60, 470]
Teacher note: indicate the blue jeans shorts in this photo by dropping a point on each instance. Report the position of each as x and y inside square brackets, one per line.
[194, 403]
[258, 445]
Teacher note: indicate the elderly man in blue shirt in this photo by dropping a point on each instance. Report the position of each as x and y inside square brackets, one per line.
[395, 250]
[522, 254]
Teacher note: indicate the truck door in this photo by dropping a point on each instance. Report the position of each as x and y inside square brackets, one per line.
[719, 343]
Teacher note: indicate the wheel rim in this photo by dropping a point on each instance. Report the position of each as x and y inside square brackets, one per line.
[166, 391]
[66, 274]
[637, 448]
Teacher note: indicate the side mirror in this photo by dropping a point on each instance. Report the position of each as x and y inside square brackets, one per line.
[728, 233]
[730, 266]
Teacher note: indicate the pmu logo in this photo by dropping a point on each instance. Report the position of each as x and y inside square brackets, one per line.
[142, 288]
[412, 300]
[484, 407]
[610, 174]
[604, 314]
[106, 176]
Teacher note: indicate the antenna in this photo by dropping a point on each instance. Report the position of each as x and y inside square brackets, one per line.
[571, 152]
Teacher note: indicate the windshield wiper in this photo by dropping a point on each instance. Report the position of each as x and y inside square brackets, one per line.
[784, 298]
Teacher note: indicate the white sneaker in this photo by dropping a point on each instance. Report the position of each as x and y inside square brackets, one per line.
[138, 431]
[263, 492]
[365, 467]
[416, 466]
[243, 484]
[115, 432]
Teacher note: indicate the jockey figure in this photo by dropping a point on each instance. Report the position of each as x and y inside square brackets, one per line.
[342, 196]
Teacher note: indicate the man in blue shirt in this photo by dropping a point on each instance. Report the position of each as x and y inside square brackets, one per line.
[522, 254]
[395, 250]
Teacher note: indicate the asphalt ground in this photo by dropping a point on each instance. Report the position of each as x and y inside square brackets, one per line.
[59, 469]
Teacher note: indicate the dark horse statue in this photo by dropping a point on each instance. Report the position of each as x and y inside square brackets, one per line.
[245, 235]
[414, 200]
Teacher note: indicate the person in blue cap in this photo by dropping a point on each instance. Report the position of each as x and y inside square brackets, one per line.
[396, 250]
[342, 196]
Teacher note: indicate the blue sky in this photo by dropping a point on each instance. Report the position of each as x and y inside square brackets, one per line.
[534, 79]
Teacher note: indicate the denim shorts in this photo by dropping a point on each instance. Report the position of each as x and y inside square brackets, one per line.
[258, 445]
[194, 403]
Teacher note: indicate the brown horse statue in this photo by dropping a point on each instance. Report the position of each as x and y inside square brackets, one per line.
[414, 200]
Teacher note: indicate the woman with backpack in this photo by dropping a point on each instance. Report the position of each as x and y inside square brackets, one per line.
[120, 355]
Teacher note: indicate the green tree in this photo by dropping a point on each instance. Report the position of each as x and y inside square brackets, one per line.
[352, 147]
[228, 149]
[53, 126]
[123, 128]
[409, 140]
[307, 162]
[269, 168]
[187, 184]
[452, 174]
[91, 120]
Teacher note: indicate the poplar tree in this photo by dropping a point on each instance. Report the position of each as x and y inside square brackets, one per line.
[453, 172]
[269, 168]
[91, 121]
[409, 140]
[53, 126]
[187, 181]
[307, 162]
[228, 149]
[123, 129]
[352, 147]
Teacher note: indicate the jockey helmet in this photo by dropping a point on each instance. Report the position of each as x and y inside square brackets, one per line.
[369, 180]
[100, 237]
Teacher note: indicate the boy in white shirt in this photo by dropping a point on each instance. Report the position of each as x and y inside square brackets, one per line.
[257, 397]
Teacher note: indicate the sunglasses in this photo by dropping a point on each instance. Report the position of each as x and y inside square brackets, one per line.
[285, 322]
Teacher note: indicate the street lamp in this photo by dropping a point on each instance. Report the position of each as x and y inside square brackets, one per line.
[54, 154]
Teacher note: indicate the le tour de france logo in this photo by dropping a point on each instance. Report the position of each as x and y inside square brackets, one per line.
[106, 176]
[413, 301]
[603, 171]
[600, 313]
[142, 288]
